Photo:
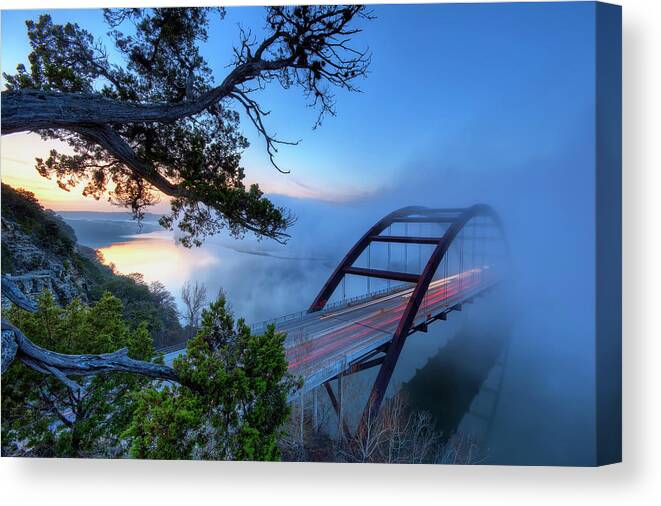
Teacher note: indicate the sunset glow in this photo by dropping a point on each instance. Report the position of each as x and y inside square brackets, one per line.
[18, 170]
[153, 255]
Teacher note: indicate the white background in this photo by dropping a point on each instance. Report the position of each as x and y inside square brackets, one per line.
[636, 481]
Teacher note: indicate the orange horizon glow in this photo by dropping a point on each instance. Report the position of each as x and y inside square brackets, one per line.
[153, 254]
[18, 153]
[18, 161]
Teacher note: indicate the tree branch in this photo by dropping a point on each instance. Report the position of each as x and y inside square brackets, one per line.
[162, 124]
[32, 110]
[60, 364]
[15, 295]
[255, 114]
[15, 345]
[112, 142]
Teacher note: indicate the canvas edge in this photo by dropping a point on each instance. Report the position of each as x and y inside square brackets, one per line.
[608, 247]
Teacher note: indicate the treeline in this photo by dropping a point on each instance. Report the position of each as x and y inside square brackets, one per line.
[145, 303]
[151, 304]
[230, 404]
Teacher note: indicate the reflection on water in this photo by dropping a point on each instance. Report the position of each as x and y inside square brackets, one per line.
[261, 280]
[158, 258]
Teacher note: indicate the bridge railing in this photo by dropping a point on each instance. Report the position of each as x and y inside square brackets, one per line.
[172, 347]
[261, 326]
[293, 338]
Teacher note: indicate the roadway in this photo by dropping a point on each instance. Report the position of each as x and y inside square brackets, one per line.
[320, 345]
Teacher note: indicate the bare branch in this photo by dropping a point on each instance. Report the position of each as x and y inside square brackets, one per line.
[194, 297]
[255, 114]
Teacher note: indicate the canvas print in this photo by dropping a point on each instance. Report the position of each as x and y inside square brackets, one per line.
[316, 233]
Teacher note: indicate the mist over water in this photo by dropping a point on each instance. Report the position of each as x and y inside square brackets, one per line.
[523, 142]
[545, 410]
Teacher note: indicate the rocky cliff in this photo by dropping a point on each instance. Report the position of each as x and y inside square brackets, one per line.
[39, 250]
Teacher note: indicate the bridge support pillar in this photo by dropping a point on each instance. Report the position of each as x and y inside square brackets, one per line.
[340, 413]
[315, 418]
[344, 428]
[302, 419]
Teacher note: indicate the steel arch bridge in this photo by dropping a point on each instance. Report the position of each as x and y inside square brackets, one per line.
[461, 255]
[457, 220]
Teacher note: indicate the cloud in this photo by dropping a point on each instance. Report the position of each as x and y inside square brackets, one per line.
[292, 187]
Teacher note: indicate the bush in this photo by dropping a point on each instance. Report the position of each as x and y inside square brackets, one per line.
[40, 415]
[234, 405]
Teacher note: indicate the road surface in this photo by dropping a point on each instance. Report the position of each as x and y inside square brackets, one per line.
[320, 345]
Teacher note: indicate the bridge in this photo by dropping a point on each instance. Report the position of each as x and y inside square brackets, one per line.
[431, 261]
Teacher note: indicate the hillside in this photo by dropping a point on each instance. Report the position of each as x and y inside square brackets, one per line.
[41, 252]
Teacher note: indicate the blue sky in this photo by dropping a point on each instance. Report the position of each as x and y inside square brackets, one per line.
[510, 79]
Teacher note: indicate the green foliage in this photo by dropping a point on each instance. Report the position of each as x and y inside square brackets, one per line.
[162, 64]
[235, 401]
[49, 230]
[233, 406]
[163, 423]
[151, 304]
[43, 417]
[59, 60]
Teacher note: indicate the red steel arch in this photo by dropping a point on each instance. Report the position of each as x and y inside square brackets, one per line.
[457, 218]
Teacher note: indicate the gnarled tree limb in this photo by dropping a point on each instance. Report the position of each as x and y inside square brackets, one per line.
[58, 364]
[34, 110]
[112, 142]
[15, 345]
[14, 294]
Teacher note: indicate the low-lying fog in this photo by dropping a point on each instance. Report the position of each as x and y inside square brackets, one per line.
[546, 407]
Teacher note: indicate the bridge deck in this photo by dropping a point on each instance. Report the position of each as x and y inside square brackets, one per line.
[322, 344]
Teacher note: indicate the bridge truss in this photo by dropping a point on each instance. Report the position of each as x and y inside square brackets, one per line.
[466, 245]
